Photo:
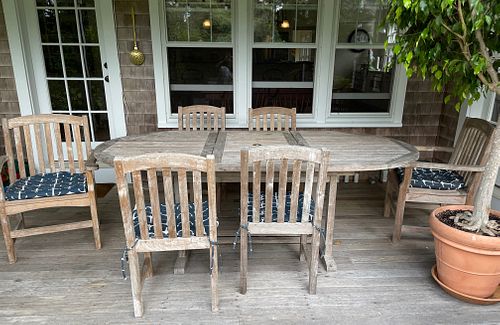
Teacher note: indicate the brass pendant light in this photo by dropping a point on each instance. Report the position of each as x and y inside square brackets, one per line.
[136, 56]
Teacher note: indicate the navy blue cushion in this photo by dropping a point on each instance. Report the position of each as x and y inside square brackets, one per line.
[178, 220]
[275, 204]
[436, 179]
[47, 185]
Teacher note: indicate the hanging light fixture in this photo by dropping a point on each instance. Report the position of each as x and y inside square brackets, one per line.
[285, 24]
[207, 23]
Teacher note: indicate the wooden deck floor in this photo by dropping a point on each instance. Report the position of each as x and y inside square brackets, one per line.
[61, 278]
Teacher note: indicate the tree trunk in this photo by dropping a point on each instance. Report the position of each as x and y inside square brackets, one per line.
[482, 201]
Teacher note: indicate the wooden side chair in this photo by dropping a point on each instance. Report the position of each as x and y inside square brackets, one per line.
[284, 211]
[46, 177]
[201, 117]
[272, 119]
[453, 183]
[157, 223]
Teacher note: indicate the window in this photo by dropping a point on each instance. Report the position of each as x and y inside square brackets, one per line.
[199, 53]
[284, 53]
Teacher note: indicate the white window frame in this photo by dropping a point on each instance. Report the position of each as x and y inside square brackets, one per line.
[243, 44]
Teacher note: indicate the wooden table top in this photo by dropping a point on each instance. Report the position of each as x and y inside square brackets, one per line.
[350, 152]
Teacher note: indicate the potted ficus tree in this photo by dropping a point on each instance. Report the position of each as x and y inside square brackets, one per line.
[456, 43]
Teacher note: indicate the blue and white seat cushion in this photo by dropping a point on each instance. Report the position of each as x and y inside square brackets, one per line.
[436, 179]
[275, 204]
[178, 220]
[47, 185]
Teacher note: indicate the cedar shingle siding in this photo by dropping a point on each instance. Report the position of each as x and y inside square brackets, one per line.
[426, 121]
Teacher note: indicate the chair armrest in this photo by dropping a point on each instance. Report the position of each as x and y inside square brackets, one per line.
[91, 163]
[477, 169]
[434, 148]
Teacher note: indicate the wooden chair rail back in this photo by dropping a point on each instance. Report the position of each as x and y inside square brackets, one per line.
[175, 171]
[301, 162]
[42, 141]
[201, 117]
[272, 119]
[473, 146]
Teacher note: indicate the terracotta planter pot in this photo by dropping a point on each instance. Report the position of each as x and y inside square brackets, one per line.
[466, 262]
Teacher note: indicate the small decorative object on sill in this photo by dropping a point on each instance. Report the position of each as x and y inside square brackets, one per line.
[136, 56]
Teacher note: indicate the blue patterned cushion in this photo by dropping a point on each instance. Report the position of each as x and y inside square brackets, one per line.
[178, 220]
[436, 179]
[47, 185]
[275, 204]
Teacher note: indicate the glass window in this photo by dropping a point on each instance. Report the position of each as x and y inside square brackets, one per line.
[200, 76]
[362, 81]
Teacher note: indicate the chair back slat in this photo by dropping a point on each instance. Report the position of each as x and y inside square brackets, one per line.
[294, 195]
[20, 152]
[39, 147]
[273, 119]
[282, 189]
[473, 146]
[155, 202]
[279, 157]
[169, 201]
[50, 147]
[171, 169]
[69, 146]
[59, 146]
[201, 117]
[29, 148]
[269, 189]
[79, 147]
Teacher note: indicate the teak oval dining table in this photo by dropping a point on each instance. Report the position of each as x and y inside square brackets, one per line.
[349, 153]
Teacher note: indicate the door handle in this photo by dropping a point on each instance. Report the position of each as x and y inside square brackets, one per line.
[106, 78]
[105, 65]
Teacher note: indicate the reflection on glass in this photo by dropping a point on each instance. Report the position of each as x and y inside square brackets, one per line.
[360, 105]
[85, 3]
[52, 58]
[92, 62]
[72, 61]
[283, 64]
[88, 21]
[100, 127]
[97, 96]
[285, 21]
[48, 3]
[365, 16]
[57, 92]
[213, 98]
[68, 27]
[200, 66]
[77, 95]
[48, 25]
[362, 72]
[195, 21]
[300, 98]
[66, 3]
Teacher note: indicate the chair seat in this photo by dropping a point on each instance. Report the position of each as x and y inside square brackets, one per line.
[47, 185]
[178, 220]
[275, 204]
[436, 179]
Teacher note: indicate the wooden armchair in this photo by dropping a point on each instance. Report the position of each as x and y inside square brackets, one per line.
[284, 211]
[201, 117]
[453, 183]
[56, 174]
[272, 119]
[157, 223]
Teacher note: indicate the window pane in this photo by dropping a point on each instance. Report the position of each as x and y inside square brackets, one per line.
[72, 61]
[283, 64]
[360, 22]
[97, 96]
[52, 58]
[68, 27]
[66, 3]
[92, 61]
[360, 105]
[57, 92]
[213, 98]
[48, 26]
[285, 21]
[77, 95]
[88, 21]
[45, 3]
[100, 127]
[194, 21]
[300, 98]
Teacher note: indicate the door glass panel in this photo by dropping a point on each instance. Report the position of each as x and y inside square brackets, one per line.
[360, 22]
[48, 25]
[67, 23]
[73, 63]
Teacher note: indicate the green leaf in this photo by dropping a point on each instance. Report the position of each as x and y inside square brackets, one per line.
[409, 56]
[407, 3]
[447, 99]
[438, 74]
[397, 49]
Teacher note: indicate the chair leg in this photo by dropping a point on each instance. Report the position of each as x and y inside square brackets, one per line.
[388, 201]
[303, 242]
[148, 265]
[95, 220]
[398, 220]
[136, 283]
[313, 266]
[243, 261]
[214, 277]
[9, 242]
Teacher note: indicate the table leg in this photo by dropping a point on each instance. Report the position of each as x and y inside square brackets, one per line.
[181, 262]
[328, 260]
